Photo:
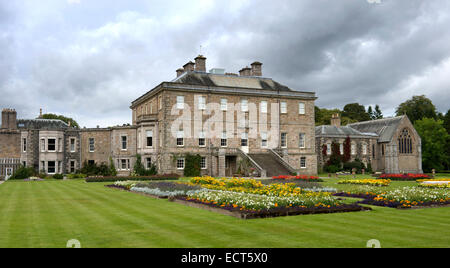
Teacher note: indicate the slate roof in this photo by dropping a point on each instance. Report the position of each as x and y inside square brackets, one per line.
[41, 124]
[385, 128]
[220, 80]
[333, 131]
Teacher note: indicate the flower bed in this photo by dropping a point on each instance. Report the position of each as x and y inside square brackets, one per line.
[299, 177]
[437, 180]
[165, 193]
[164, 177]
[251, 186]
[403, 177]
[369, 182]
[406, 197]
[158, 189]
[269, 206]
[443, 185]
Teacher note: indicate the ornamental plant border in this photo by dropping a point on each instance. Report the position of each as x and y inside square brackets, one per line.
[165, 177]
[369, 199]
[122, 188]
[297, 178]
[403, 177]
[270, 213]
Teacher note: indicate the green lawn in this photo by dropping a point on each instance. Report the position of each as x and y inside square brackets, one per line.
[49, 213]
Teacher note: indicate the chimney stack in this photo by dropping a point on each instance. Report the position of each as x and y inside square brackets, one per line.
[336, 120]
[189, 67]
[5, 118]
[9, 119]
[200, 63]
[256, 68]
[245, 72]
[180, 72]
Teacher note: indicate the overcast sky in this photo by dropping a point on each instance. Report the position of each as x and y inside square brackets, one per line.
[88, 59]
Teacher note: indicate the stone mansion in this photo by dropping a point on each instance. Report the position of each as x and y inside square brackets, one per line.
[235, 122]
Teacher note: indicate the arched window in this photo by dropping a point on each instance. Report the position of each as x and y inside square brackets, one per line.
[405, 142]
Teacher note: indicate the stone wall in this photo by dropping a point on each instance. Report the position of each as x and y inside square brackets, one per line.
[102, 152]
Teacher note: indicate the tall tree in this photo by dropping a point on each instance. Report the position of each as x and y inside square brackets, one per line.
[447, 121]
[417, 108]
[356, 112]
[67, 120]
[435, 140]
[377, 114]
[370, 112]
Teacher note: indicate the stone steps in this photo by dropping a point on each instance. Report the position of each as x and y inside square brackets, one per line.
[269, 163]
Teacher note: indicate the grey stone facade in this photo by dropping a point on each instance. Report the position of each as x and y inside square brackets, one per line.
[382, 140]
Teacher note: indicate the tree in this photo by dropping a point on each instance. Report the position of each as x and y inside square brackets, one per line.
[112, 167]
[323, 116]
[435, 140]
[356, 112]
[67, 120]
[370, 112]
[377, 114]
[447, 121]
[417, 108]
[334, 163]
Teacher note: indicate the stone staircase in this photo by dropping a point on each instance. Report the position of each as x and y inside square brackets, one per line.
[270, 164]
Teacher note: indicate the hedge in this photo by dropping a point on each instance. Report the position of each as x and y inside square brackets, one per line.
[164, 177]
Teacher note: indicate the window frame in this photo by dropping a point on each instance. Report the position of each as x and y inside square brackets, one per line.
[91, 145]
[72, 149]
[303, 162]
[149, 138]
[264, 107]
[302, 140]
[54, 167]
[202, 139]
[124, 142]
[283, 107]
[264, 140]
[224, 140]
[301, 108]
[179, 161]
[203, 163]
[202, 103]
[180, 102]
[24, 145]
[244, 139]
[48, 145]
[244, 105]
[224, 104]
[283, 141]
[180, 137]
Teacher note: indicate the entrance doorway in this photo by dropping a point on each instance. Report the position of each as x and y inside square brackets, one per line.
[230, 165]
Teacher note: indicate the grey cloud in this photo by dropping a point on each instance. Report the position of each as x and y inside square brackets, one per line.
[99, 59]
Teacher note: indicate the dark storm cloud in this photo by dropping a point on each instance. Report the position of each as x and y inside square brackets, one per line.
[87, 61]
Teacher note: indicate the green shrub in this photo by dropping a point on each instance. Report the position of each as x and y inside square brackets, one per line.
[332, 168]
[98, 170]
[192, 165]
[22, 173]
[140, 170]
[76, 176]
[357, 164]
[165, 177]
[58, 177]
